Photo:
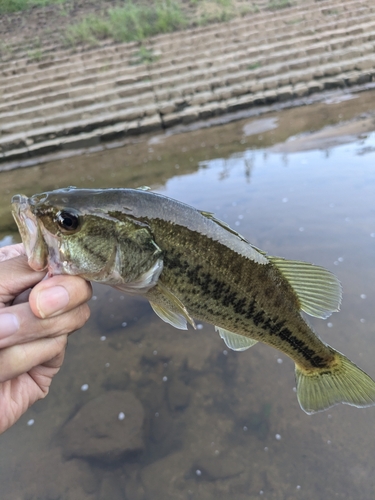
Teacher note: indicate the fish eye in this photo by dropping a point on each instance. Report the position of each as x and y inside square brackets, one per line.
[67, 220]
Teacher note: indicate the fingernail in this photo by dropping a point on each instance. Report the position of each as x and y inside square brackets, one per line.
[52, 300]
[8, 325]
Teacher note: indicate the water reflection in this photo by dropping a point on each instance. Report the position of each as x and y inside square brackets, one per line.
[142, 411]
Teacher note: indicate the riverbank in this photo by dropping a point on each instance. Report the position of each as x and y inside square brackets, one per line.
[71, 101]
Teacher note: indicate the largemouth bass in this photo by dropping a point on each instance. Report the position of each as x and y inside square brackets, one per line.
[188, 264]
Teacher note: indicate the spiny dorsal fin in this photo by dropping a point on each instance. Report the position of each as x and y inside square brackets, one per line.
[252, 253]
[318, 290]
[223, 224]
[234, 341]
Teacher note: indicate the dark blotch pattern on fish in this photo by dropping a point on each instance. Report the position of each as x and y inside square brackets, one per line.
[222, 292]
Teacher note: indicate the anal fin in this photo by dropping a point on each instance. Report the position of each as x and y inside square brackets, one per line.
[234, 341]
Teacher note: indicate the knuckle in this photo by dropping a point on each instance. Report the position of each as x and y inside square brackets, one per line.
[76, 319]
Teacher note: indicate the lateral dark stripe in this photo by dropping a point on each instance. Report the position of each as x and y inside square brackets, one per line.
[247, 308]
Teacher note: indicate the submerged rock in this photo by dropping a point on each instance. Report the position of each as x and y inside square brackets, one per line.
[218, 467]
[107, 428]
[178, 394]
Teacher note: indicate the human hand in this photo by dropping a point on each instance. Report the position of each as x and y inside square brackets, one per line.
[36, 317]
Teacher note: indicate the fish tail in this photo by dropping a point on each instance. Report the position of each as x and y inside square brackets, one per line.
[340, 382]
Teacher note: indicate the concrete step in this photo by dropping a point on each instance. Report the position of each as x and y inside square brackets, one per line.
[23, 95]
[60, 136]
[120, 51]
[21, 147]
[222, 73]
[45, 116]
[83, 100]
[24, 148]
[268, 16]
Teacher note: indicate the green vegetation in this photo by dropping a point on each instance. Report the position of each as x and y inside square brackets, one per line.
[255, 65]
[126, 20]
[4, 48]
[330, 12]
[136, 21]
[210, 11]
[35, 54]
[279, 4]
[8, 6]
[143, 56]
[133, 22]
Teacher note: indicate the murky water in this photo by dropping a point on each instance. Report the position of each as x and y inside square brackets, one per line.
[141, 411]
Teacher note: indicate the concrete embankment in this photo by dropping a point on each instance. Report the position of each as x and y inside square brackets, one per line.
[69, 101]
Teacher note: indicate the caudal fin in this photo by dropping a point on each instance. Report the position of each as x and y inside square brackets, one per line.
[342, 382]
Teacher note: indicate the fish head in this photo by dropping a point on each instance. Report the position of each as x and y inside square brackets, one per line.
[55, 231]
[71, 231]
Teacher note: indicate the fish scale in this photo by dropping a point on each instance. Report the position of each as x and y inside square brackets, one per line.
[216, 301]
[189, 264]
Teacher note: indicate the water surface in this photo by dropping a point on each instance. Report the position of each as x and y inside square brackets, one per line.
[207, 423]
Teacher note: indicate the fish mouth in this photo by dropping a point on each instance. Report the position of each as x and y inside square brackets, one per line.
[35, 246]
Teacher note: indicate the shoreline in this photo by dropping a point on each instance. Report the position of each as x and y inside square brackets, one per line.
[82, 102]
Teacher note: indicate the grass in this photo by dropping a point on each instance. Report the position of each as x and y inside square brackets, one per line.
[9, 6]
[210, 11]
[330, 12]
[133, 22]
[255, 65]
[143, 56]
[35, 55]
[279, 4]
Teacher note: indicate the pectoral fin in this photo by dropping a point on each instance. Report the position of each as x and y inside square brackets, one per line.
[169, 307]
[318, 290]
[234, 341]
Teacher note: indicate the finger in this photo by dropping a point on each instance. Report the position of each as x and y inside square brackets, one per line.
[22, 358]
[18, 324]
[59, 294]
[42, 374]
[11, 251]
[15, 277]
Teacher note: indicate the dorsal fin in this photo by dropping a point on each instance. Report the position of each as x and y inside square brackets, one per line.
[252, 252]
[223, 224]
[318, 290]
